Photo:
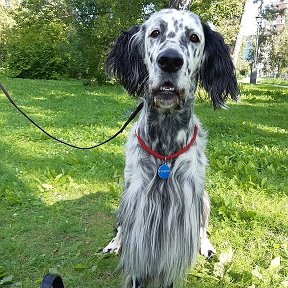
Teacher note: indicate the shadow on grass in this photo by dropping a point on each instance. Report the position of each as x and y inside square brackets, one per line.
[67, 104]
[67, 234]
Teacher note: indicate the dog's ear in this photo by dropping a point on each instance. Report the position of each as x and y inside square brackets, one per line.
[217, 72]
[125, 62]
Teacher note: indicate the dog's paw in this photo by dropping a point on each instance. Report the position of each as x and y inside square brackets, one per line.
[206, 249]
[113, 247]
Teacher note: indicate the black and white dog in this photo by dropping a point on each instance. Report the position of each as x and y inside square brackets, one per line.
[164, 209]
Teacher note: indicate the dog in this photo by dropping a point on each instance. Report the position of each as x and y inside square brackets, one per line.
[163, 213]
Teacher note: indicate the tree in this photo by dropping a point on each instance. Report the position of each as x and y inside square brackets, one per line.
[239, 39]
[70, 38]
[282, 51]
[274, 48]
[6, 21]
[180, 4]
[224, 15]
[273, 42]
[36, 44]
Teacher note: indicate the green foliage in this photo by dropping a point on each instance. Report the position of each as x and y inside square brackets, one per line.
[70, 38]
[273, 43]
[7, 280]
[225, 16]
[38, 55]
[281, 57]
[36, 44]
[6, 21]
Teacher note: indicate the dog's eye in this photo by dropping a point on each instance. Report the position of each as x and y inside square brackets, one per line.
[194, 38]
[155, 33]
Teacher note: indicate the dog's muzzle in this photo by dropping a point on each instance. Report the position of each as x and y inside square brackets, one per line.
[167, 96]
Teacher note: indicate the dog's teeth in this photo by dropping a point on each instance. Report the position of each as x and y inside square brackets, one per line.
[170, 89]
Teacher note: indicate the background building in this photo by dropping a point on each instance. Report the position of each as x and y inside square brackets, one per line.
[280, 21]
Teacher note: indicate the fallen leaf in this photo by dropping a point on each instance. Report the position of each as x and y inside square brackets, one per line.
[226, 256]
[219, 269]
[275, 263]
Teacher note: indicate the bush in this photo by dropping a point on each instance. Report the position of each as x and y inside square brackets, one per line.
[38, 51]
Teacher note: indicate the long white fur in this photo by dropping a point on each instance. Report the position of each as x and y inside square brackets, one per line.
[162, 223]
[142, 256]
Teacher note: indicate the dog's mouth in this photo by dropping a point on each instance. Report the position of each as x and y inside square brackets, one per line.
[166, 96]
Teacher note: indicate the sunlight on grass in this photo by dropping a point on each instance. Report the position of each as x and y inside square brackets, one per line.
[271, 129]
[64, 200]
[71, 191]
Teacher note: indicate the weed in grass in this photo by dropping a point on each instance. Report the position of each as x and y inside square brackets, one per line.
[58, 205]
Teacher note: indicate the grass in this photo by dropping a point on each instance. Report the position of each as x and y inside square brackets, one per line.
[58, 205]
[274, 81]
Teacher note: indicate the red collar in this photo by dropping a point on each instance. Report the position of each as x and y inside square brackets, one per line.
[171, 156]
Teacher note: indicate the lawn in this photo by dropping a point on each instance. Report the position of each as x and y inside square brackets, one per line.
[58, 204]
[276, 81]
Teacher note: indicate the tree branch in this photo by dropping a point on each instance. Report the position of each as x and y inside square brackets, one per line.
[180, 4]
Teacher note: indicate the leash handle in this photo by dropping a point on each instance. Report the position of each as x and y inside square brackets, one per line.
[132, 116]
[52, 281]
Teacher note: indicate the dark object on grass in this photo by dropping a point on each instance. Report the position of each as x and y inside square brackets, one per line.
[52, 281]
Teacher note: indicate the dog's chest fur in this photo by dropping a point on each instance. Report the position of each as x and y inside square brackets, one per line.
[163, 224]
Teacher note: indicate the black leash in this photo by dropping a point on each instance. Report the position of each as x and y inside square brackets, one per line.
[132, 116]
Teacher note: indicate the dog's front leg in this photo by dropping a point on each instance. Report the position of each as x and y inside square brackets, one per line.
[206, 248]
[115, 243]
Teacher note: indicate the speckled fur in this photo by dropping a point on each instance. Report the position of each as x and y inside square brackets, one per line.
[162, 221]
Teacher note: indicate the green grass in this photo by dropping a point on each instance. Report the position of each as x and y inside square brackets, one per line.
[58, 204]
[274, 81]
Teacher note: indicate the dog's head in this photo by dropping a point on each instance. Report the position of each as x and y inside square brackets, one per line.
[163, 59]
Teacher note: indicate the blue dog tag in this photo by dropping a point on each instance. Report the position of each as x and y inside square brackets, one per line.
[164, 171]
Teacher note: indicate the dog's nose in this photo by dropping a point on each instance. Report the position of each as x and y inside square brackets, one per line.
[170, 61]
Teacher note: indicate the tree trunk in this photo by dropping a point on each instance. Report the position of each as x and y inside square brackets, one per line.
[239, 39]
[180, 4]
